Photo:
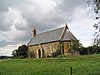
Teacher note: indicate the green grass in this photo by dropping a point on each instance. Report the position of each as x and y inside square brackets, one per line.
[82, 65]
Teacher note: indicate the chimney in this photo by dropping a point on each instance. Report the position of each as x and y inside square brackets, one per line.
[34, 32]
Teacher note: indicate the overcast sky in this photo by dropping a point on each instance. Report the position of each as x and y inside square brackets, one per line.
[18, 17]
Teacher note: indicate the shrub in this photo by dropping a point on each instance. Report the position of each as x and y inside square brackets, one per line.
[89, 50]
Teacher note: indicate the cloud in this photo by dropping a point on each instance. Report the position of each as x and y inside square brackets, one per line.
[17, 19]
[83, 25]
[40, 14]
[7, 50]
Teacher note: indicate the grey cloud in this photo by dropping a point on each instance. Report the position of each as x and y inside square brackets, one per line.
[13, 38]
[35, 18]
[23, 36]
[3, 25]
[69, 5]
[3, 43]
[61, 14]
[4, 4]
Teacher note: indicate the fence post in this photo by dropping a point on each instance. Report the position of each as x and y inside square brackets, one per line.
[70, 71]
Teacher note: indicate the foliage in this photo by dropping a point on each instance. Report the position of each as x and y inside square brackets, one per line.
[74, 46]
[21, 52]
[4, 57]
[59, 50]
[96, 8]
[56, 52]
[14, 53]
[77, 47]
[82, 65]
[89, 50]
[97, 25]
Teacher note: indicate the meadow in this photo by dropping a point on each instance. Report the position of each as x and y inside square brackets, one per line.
[82, 65]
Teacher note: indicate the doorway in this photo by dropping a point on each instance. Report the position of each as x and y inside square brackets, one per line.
[38, 53]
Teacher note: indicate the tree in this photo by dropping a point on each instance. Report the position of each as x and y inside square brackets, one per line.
[96, 8]
[97, 25]
[22, 52]
[74, 46]
[89, 50]
[14, 53]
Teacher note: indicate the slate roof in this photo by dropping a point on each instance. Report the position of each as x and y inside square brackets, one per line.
[69, 36]
[51, 36]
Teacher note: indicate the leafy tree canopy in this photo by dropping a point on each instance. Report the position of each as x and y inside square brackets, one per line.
[22, 52]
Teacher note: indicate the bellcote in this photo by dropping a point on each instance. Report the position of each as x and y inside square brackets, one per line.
[34, 32]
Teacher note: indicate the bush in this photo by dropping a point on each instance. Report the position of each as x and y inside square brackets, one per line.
[56, 53]
[89, 50]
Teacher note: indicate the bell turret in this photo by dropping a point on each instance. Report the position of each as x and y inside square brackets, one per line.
[34, 32]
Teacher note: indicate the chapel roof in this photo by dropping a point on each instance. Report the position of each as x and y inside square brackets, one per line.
[51, 36]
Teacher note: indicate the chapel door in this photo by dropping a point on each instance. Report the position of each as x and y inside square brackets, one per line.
[38, 53]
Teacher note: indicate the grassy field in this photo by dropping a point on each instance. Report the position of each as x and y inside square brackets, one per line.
[82, 65]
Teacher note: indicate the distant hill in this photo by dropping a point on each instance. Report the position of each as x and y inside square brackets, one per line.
[5, 57]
